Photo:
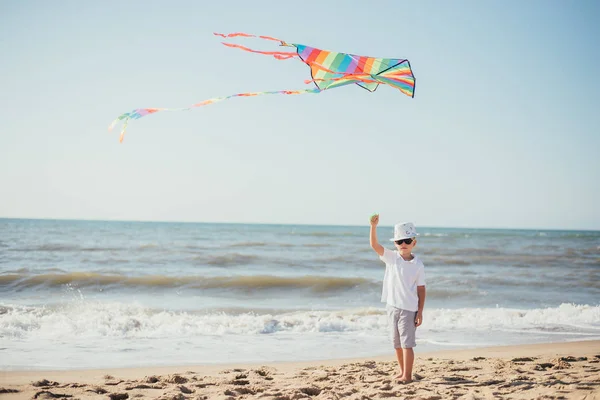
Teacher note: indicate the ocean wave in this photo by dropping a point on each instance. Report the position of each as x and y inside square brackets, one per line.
[564, 318]
[25, 270]
[58, 247]
[92, 319]
[225, 260]
[448, 261]
[320, 284]
[328, 234]
[453, 292]
[504, 259]
[250, 244]
[120, 261]
[531, 279]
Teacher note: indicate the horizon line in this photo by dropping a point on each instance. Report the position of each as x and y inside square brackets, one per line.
[285, 224]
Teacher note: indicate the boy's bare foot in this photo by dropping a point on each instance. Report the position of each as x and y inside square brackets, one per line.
[404, 380]
[400, 375]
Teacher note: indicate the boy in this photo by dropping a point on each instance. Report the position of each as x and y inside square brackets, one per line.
[403, 292]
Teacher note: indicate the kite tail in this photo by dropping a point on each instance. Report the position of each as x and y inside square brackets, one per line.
[280, 55]
[142, 112]
[123, 129]
[230, 35]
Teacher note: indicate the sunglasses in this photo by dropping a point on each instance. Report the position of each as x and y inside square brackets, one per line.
[406, 241]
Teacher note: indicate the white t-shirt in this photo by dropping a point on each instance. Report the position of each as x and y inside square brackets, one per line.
[401, 280]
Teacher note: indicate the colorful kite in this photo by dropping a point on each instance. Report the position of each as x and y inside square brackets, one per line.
[328, 70]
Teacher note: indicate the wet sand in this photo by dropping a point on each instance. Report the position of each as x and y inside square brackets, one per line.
[542, 371]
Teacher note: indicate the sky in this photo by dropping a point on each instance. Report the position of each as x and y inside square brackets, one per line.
[502, 131]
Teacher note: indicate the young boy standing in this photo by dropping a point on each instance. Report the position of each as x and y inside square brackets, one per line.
[403, 292]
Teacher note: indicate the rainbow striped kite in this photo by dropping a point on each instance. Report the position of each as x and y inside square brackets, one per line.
[328, 70]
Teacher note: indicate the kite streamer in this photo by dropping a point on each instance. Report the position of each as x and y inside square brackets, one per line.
[328, 69]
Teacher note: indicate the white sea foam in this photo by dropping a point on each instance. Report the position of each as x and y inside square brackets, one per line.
[92, 334]
[94, 319]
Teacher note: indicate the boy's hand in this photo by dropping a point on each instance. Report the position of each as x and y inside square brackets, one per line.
[419, 318]
[374, 219]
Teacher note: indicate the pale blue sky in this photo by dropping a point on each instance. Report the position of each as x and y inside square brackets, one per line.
[502, 132]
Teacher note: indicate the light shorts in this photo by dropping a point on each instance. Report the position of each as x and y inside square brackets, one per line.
[402, 327]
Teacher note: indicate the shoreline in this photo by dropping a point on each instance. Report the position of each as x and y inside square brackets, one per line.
[505, 363]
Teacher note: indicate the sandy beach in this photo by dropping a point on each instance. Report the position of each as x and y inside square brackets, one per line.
[541, 371]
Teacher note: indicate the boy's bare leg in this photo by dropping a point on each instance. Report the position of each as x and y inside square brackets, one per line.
[400, 363]
[409, 359]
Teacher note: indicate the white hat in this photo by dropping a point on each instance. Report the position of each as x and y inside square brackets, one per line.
[404, 230]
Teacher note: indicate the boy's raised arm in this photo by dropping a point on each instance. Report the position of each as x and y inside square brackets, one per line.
[374, 243]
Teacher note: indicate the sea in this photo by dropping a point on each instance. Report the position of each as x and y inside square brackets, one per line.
[96, 294]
